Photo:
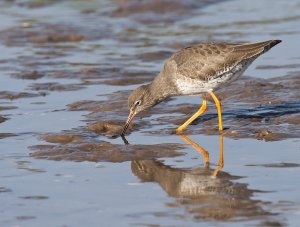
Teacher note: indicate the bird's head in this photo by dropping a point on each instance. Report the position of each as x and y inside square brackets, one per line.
[139, 100]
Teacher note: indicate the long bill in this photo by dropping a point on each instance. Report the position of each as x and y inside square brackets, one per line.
[129, 119]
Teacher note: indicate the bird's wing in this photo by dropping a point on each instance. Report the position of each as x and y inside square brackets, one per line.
[209, 60]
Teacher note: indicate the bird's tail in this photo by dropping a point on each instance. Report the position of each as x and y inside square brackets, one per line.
[270, 44]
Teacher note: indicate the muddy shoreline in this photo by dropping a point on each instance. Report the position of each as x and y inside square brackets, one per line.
[67, 68]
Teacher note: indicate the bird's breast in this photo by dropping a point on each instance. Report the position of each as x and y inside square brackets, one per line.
[194, 86]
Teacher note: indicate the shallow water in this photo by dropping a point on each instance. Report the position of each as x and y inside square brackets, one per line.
[67, 68]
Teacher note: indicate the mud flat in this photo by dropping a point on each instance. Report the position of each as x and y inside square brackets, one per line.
[67, 68]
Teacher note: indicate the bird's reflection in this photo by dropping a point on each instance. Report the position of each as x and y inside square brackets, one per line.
[198, 191]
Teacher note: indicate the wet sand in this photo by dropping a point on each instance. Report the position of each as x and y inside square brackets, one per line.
[67, 69]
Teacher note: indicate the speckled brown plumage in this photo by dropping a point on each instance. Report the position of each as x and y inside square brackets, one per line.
[204, 61]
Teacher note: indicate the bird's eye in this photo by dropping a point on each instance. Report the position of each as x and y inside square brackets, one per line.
[138, 103]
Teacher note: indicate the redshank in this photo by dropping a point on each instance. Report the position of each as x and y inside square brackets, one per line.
[197, 70]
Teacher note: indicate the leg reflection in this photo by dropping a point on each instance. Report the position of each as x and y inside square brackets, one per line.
[221, 158]
[205, 154]
[197, 147]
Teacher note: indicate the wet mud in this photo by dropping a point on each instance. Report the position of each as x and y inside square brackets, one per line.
[157, 11]
[2, 119]
[112, 129]
[33, 75]
[5, 135]
[80, 149]
[17, 95]
[40, 33]
[54, 87]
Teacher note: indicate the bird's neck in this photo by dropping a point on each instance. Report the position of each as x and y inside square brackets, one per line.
[160, 88]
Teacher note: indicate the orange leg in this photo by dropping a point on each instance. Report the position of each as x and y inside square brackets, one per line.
[219, 108]
[192, 118]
